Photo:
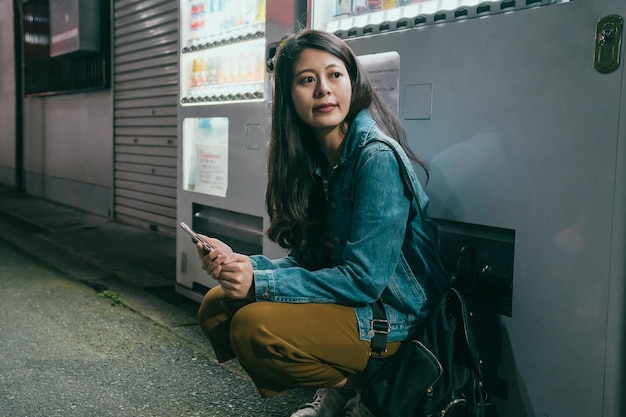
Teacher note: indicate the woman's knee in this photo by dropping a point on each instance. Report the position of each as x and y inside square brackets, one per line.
[245, 323]
[252, 334]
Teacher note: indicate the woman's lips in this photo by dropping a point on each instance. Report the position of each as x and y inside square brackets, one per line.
[325, 108]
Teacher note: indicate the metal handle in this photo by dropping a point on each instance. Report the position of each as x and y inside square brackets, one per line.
[608, 44]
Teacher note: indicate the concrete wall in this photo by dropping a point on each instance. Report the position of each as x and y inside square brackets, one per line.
[68, 148]
[68, 139]
[7, 95]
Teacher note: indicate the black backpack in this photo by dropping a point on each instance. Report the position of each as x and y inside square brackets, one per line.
[439, 371]
[462, 330]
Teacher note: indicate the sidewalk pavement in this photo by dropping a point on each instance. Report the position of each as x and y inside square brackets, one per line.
[135, 264]
[101, 253]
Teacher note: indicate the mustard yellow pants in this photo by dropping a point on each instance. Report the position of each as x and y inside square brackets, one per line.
[283, 346]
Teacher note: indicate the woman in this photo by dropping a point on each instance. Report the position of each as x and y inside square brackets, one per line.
[337, 200]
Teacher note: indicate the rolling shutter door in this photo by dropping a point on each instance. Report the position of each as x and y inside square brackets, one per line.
[145, 65]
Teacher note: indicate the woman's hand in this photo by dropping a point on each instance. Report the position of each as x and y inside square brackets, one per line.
[236, 276]
[212, 260]
[232, 270]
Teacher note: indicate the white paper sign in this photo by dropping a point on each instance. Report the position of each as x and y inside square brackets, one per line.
[205, 148]
[383, 71]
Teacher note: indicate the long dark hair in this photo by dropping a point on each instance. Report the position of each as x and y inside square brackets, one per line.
[293, 200]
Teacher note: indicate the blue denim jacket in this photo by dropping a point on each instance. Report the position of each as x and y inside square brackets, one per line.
[383, 240]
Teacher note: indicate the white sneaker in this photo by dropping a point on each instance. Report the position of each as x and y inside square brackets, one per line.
[327, 402]
[355, 408]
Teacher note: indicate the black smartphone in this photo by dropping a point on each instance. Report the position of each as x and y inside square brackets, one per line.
[196, 237]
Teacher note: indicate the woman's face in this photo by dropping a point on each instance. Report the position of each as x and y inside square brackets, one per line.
[321, 90]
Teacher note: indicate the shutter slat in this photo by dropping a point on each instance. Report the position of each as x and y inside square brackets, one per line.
[145, 67]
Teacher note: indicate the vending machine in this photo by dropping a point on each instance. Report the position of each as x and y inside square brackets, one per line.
[517, 107]
[223, 125]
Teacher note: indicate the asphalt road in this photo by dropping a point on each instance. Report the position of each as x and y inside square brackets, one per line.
[66, 350]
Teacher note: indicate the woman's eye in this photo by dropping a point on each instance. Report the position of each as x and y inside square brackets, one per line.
[307, 80]
[336, 74]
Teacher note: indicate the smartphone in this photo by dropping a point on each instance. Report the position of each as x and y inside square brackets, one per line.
[196, 237]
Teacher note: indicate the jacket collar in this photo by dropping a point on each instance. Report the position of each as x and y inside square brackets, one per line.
[357, 136]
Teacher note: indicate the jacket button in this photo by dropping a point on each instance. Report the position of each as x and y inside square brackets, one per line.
[332, 205]
[265, 295]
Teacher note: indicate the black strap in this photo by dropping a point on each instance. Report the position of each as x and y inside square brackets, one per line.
[465, 284]
[380, 328]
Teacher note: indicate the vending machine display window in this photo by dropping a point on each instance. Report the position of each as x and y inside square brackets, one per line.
[222, 51]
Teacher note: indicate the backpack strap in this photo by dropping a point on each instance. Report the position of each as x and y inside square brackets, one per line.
[379, 327]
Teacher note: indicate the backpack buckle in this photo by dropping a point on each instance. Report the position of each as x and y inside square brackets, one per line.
[380, 326]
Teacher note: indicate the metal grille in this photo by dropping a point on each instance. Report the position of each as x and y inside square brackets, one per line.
[66, 73]
[145, 40]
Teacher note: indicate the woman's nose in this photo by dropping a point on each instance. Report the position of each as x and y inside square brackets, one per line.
[322, 89]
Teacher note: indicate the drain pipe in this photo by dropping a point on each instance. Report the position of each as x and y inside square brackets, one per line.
[18, 36]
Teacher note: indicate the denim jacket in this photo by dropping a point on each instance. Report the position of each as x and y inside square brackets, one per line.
[384, 241]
